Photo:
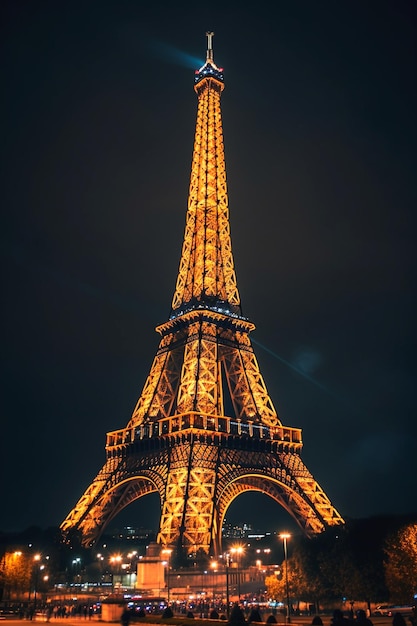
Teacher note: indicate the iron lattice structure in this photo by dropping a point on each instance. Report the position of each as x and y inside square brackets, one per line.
[204, 429]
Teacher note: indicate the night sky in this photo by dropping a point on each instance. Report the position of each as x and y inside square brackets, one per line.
[319, 119]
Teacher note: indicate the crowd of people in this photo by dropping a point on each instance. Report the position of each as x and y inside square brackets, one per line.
[238, 618]
[339, 618]
[362, 619]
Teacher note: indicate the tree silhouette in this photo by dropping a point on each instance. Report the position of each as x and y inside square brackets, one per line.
[401, 564]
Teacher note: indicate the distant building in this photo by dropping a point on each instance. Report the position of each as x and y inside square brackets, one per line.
[151, 572]
[236, 531]
[130, 533]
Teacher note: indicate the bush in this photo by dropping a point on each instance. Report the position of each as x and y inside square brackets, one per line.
[255, 616]
[237, 617]
[167, 613]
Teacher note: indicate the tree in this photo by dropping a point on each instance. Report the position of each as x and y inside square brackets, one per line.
[15, 573]
[297, 577]
[311, 585]
[277, 586]
[274, 588]
[401, 563]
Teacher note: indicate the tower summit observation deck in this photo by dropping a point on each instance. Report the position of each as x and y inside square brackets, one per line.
[204, 429]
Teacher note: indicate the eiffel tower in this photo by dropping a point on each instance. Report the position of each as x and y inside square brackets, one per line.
[204, 429]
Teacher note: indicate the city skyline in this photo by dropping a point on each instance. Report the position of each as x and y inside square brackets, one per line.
[320, 154]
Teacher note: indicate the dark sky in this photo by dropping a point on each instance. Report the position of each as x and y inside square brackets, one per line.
[319, 118]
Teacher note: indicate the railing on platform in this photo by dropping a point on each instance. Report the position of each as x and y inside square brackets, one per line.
[222, 425]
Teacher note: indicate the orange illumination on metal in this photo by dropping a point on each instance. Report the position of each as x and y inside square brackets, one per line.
[181, 442]
[206, 266]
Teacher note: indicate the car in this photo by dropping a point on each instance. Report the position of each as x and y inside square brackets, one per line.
[382, 609]
[390, 609]
[404, 609]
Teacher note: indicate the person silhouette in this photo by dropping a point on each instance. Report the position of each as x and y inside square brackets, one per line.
[339, 619]
[361, 618]
[125, 617]
[398, 620]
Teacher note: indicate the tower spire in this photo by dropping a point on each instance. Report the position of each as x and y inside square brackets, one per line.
[209, 57]
[206, 275]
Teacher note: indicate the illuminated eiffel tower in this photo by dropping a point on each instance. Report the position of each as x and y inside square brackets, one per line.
[181, 442]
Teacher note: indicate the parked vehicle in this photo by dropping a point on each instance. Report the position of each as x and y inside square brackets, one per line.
[390, 609]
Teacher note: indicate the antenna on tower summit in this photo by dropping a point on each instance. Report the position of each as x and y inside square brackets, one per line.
[209, 46]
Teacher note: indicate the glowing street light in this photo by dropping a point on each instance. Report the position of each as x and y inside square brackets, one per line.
[213, 567]
[238, 550]
[168, 552]
[76, 566]
[36, 559]
[227, 565]
[115, 561]
[132, 556]
[284, 537]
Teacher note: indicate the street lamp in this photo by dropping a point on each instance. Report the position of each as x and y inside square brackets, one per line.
[76, 566]
[213, 566]
[168, 553]
[133, 557]
[238, 550]
[284, 537]
[36, 559]
[115, 561]
[227, 564]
